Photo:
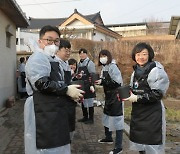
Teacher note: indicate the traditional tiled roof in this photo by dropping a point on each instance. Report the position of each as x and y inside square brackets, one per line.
[38, 23]
[93, 18]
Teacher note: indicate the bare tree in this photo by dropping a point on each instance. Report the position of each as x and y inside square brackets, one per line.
[155, 26]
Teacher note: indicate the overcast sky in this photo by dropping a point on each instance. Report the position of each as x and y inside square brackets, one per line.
[112, 11]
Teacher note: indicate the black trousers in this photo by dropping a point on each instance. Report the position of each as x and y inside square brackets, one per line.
[88, 112]
[119, 136]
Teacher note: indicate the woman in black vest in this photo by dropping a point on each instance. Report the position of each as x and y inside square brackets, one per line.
[149, 83]
[113, 118]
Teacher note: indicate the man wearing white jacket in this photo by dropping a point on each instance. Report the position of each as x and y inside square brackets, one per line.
[46, 119]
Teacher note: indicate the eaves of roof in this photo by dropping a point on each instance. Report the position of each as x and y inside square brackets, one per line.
[108, 31]
[38, 23]
[87, 17]
[14, 12]
[127, 24]
[173, 24]
[92, 17]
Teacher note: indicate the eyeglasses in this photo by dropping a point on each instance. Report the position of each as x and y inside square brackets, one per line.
[67, 50]
[141, 55]
[50, 42]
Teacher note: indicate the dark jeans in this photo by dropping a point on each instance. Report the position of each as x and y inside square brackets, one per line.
[23, 94]
[119, 137]
[88, 113]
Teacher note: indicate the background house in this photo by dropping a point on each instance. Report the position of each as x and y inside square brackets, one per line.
[140, 29]
[130, 29]
[89, 27]
[174, 28]
[158, 27]
[11, 17]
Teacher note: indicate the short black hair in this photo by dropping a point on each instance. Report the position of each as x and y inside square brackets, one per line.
[64, 44]
[72, 61]
[82, 50]
[48, 28]
[22, 59]
[106, 53]
[27, 57]
[141, 46]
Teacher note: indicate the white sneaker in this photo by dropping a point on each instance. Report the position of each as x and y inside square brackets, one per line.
[105, 141]
[116, 151]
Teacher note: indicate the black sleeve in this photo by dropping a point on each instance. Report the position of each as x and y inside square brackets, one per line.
[23, 74]
[153, 96]
[45, 85]
[110, 83]
[74, 78]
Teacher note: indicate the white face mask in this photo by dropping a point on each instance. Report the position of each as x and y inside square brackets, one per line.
[103, 60]
[50, 49]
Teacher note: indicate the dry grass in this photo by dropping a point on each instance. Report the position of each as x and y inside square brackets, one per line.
[150, 37]
[172, 110]
[171, 114]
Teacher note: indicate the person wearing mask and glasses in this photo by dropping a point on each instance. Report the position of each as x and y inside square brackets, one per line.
[113, 118]
[45, 111]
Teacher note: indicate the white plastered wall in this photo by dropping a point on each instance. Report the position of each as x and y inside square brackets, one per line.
[7, 61]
